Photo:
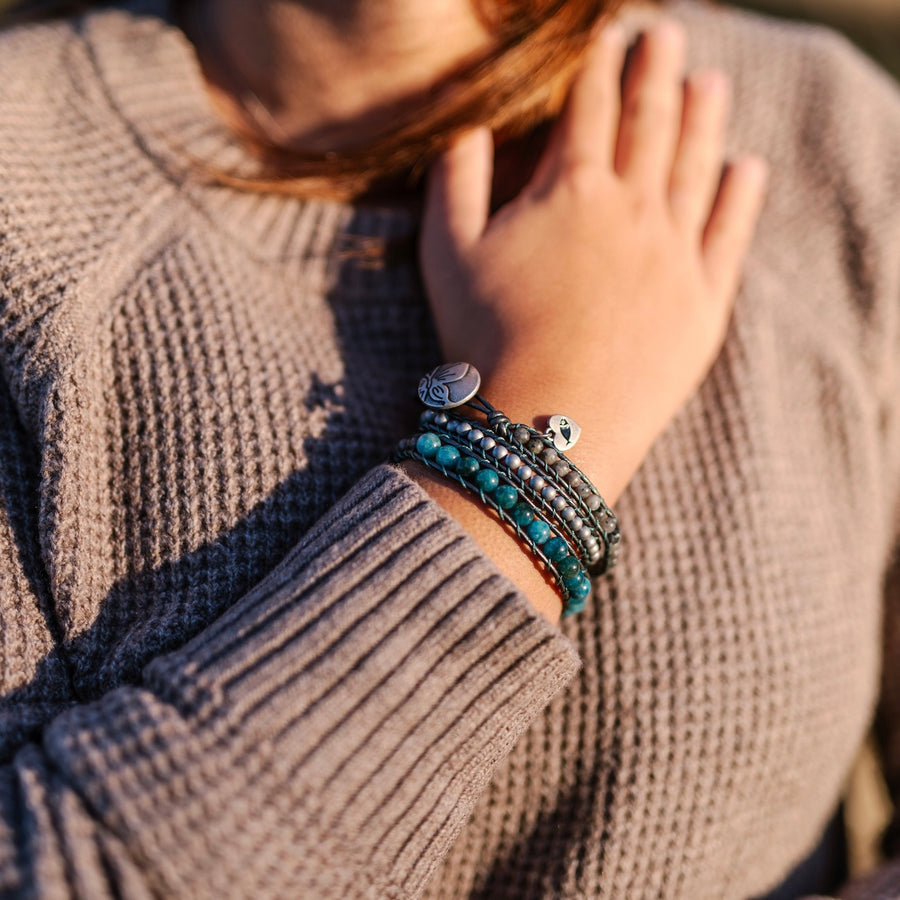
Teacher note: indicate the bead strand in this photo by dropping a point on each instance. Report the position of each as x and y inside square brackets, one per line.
[556, 502]
[486, 448]
[496, 492]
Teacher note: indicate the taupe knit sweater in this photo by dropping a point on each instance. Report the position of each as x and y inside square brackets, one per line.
[241, 657]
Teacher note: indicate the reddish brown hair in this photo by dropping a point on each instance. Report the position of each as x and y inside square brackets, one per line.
[539, 45]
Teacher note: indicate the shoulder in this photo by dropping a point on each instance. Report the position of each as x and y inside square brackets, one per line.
[824, 268]
[800, 91]
[80, 195]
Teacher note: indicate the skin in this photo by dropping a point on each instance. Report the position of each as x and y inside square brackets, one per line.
[616, 265]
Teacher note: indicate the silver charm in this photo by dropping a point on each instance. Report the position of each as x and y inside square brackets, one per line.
[564, 432]
[449, 385]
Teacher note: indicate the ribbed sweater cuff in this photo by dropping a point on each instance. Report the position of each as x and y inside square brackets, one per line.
[351, 707]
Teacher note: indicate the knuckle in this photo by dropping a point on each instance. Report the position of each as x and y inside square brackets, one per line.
[581, 177]
[647, 107]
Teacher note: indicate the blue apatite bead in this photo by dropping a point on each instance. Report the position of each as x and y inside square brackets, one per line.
[568, 567]
[467, 466]
[538, 531]
[487, 480]
[522, 515]
[574, 606]
[427, 444]
[506, 496]
[556, 549]
[579, 586]
[446, 456]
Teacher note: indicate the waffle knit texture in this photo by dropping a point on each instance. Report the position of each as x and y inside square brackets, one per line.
[240, 656]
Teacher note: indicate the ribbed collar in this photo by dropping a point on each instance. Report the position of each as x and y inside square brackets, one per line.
[154, 82]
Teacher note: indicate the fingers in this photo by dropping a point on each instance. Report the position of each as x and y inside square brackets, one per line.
[651, 107]
[587, 129]
[458, 197]
[732, 222]
[697, 169]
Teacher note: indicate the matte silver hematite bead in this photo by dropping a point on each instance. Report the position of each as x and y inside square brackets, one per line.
[441, 419]
[576, 523]
[488, 443]
[463, 427]
[549, 493]
[560, 503]
[499, 451]
[525, 473]
[475, 435]
[568, 514]
[537, 483]
[513, 461]
[583, 533]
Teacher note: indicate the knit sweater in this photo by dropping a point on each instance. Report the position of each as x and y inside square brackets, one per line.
[241, 656]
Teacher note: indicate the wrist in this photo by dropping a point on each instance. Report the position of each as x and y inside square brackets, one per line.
[606, 450]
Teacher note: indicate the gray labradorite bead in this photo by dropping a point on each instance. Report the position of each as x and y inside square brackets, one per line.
[607, 523]
[568, 514]
[513, 461]
[584, 490]
[560, 503]
[475, 435]
[525, 473]
[549, 493]
[593, 502]
[550, 456]
[499, 451]
[562, 468]
[573, 479]
[536, 445]
[488, 443]
[537, 483]
[522, 434]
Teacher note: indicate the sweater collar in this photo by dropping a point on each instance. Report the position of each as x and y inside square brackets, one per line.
[154, 82]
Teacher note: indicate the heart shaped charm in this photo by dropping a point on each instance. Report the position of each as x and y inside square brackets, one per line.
[564, 432]
[449, 385]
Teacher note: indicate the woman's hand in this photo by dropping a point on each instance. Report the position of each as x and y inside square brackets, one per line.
[603, 291]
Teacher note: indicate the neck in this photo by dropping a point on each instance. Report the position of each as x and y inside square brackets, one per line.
[329, 74]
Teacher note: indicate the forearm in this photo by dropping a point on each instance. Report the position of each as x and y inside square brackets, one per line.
[341, 719]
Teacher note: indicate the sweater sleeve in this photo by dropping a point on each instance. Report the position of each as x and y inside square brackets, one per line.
[327, 736]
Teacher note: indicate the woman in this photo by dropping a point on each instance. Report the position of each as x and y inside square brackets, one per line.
[244, 657]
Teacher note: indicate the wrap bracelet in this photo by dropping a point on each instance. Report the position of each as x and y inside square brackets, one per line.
[521, 474]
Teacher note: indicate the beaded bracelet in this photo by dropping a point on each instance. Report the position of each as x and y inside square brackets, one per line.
[497, 493]
[521, 474]
[541, 493]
